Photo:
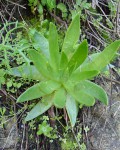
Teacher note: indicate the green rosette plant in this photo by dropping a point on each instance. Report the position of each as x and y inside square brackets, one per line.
[64, 74]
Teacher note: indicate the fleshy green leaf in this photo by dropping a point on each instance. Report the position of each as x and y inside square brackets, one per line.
[40, 62]
[93, 90]
[83, 98]
[72, 36]
[49, 86]
[59, 98]
[79, 56]
[78, 76]
[26, 71]
[65, 76]
[31, 93]
[72, 109]
[80, 96]
[104, 58]
[39, 42]
[53, 46]
[39, 108]
[53, 73]
[40, 89]
[89, 59]
[63, 63]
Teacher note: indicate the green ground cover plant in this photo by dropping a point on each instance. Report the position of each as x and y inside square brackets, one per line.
[64, 74]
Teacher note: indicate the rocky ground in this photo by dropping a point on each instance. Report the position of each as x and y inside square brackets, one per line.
[104, 122]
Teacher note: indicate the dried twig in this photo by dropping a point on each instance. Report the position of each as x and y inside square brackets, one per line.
[111, 79]
[23, 137]
[58, 19]
[17, 4]
[117, 20]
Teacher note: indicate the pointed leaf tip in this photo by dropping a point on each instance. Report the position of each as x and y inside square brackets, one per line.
[53, 46]
[41, 107]
[72, 35]
[72, 109]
